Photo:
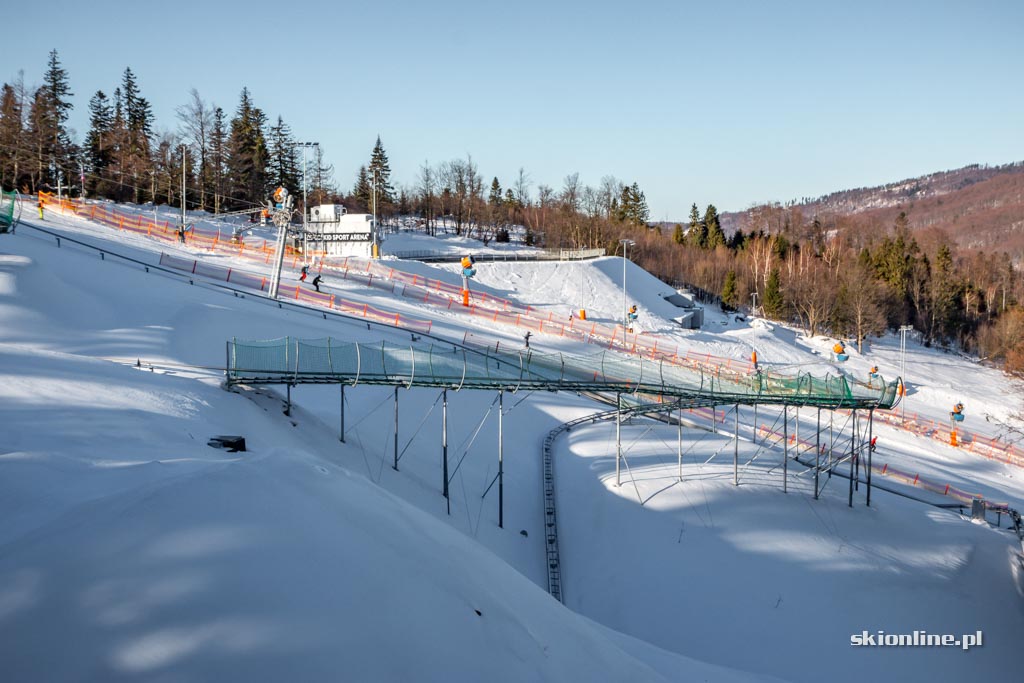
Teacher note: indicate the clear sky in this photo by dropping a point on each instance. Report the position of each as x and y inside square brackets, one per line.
[731, 102]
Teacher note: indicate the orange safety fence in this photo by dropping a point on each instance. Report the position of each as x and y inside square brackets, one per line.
[491, 308]
[886, 470]
[296, 292]
[987, 447]
[419, 288]
[612, 337]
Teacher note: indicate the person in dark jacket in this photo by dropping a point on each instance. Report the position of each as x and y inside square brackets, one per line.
[316, 282]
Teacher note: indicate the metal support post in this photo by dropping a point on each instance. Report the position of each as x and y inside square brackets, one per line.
[679, 445]
[501, 466]
[871, 430]
[618, 437]
[714, 419]
[753, 438]
[857, 447]
[736, 448]
[444, 445]
[395, 466]
[817, 454]
[785, 448]
[341, 432]
[796, 438]
[831, 440]
[853, 452]
[288, 404]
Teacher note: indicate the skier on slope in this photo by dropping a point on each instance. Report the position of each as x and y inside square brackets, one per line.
[316, 282]
[305, 272]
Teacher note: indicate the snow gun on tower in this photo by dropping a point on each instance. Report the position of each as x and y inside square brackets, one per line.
[468, 271]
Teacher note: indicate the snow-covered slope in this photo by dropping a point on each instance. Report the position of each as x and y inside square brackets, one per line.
[133, 551]
[158, 557]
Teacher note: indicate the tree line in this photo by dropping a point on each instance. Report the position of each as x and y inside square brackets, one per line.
[841, 275]
[228, 164]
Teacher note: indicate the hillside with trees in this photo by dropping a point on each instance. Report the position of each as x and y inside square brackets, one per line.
[942, 253]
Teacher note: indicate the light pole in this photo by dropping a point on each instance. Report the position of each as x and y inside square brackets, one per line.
[904, 331]
[626, 243]
[305, 209]
[753, 305]
[376, 246]
[183, 148]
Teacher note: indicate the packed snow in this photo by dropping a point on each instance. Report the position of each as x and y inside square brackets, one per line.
[136, 551]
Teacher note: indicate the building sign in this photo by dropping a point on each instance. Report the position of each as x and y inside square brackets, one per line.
[339, 237]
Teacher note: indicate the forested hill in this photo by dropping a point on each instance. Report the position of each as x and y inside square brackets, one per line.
[976, 206]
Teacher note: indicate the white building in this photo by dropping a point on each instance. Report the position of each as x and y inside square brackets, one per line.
[339, 233]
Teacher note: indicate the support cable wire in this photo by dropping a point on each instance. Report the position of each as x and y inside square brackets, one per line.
[475, 433]
[762, 447]
[418, 428]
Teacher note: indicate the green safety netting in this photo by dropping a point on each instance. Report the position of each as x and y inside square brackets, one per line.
[7, 203]
[327, 360]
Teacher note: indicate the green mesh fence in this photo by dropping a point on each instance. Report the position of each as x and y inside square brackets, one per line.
[7, 201]
[329, 360]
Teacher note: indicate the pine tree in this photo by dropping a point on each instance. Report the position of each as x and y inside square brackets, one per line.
[11, 133]
[247, 154]
[640, 214]
[495, 198]
[98, 152]
[774, 305]
[632, 206]
[715, 238]
[284, 165]
[946, 297]
[135, 161]
[218, 157]
[363, 192]
[58, 94]
[729, 292]
[698, 232]
[678, 236]
[380, 171]
[47, 134]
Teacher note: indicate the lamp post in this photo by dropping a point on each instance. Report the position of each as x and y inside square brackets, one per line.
[183, 148]
[904, 331]
[376, 246]
[626, 243]
[305, 209]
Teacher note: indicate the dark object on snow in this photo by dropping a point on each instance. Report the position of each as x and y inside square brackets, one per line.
[232, 444]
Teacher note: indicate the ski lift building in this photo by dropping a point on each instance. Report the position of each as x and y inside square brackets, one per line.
[339, 233]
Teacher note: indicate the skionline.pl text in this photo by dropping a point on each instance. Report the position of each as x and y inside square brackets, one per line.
[915, 639]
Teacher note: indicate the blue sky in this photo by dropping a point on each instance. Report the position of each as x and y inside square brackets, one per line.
[730, 103]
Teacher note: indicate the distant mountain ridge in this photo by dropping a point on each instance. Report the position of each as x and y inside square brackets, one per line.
[977, 206]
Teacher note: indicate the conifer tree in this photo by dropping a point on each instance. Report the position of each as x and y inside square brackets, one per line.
[774, 305]
[678, 236]
[729, 291]
[380, 171]
[698, 234]
[285, 166]
[135, 153]
[47, 134]
[715, 236]
[98, 151]
[362, 192]
[11, 133]
[495, 198]
[247, 154]
[218, 157]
